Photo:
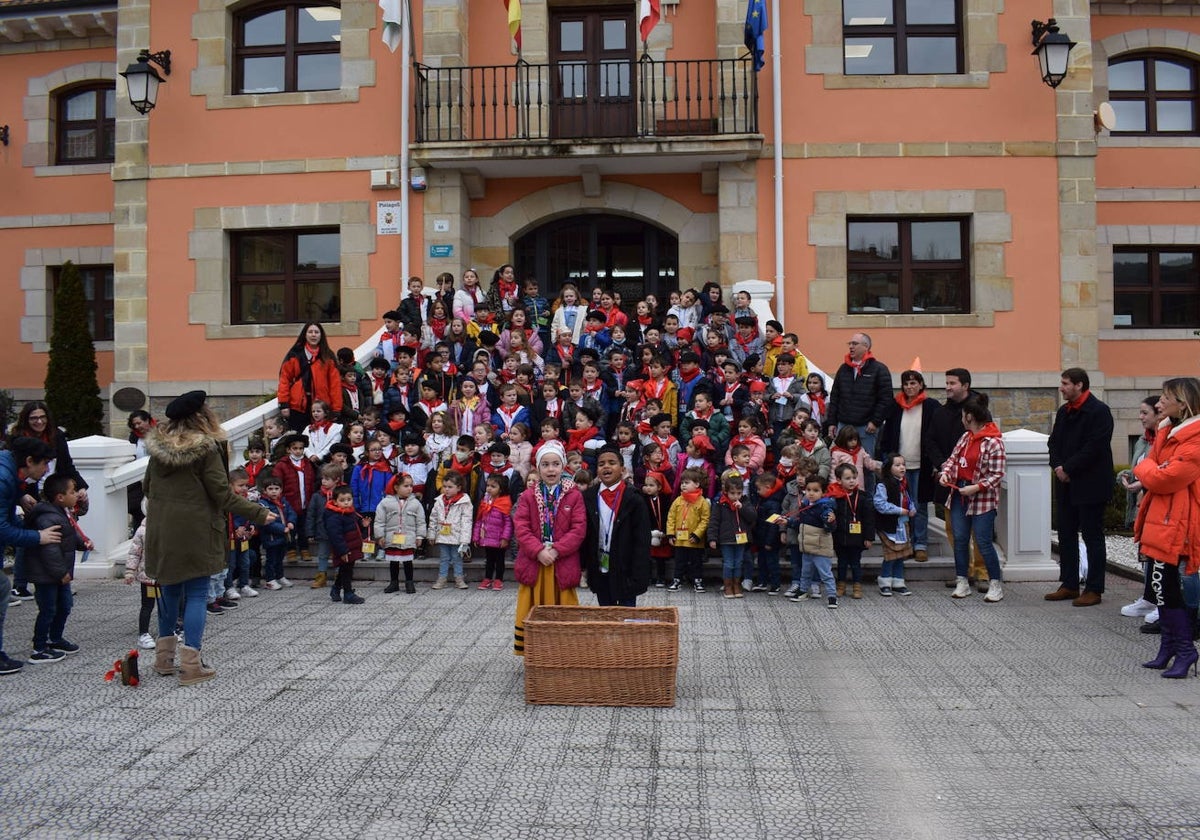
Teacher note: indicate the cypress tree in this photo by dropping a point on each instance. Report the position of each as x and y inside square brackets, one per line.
[72, 391]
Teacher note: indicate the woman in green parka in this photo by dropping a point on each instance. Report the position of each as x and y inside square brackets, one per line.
[187, 501]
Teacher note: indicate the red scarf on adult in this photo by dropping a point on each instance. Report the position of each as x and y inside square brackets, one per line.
[905, 403]
[969, 462]
[502, 503]
[858, 366]
[1077, 403]
[576, 438]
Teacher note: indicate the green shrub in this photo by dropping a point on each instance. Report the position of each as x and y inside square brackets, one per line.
[72, 391]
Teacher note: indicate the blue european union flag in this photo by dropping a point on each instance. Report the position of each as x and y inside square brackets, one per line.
[756, 25]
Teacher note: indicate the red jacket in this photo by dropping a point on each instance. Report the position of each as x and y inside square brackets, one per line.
[326, 385]
[1168, 520]
[570, 527]
[287, 474]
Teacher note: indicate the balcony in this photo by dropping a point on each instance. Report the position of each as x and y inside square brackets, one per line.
[622, 116]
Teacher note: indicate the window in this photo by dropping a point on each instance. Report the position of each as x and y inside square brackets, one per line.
[900, 37]
[908, 265]
[288, 47]
[1156, 287]
[282, 277]
[98, 292]
[1154, 94]
[85, 124]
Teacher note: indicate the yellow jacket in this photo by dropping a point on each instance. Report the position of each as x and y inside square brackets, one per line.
[690, 518]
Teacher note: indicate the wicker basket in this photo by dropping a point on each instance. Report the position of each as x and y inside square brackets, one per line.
[601, 656]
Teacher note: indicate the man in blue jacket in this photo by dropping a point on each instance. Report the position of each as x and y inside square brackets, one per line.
[26, 458]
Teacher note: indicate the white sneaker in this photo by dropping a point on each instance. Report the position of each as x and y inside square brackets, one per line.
[273, 585]
[1138, 608]
[232, 594]
[1151, 617]
[285, 582]
[146, 641]
[248, 592]
[748, 585]
[962, 588]
[995, 592]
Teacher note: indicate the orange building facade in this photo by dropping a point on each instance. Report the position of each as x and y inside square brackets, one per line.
[934, 192]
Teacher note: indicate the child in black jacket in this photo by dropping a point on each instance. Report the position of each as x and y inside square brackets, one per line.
[51, 568]
[855, 529]
[766, 534]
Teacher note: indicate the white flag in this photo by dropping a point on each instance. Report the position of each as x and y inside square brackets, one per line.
[393, 19]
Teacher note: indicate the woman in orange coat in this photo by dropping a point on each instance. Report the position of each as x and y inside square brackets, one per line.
[309, 372]
[1167, 529]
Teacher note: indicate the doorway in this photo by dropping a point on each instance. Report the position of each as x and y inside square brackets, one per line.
[632, 257]
[592, 66]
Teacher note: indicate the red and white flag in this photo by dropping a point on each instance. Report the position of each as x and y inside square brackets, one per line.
[649, 12]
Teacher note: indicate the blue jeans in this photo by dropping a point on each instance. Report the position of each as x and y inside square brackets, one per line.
[54, 602]
[194, 593]
[797, 564]
[273, 567]
[238, 572]
[983, 526]
[817, 565]
[450, 556]
[920, 523]
[892, 570]
[216, 586]
[731, 561]
[322, 553]
[1191, 590]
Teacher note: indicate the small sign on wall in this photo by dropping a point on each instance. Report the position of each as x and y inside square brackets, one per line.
[441, 252]
[387, 218]
[441, 225]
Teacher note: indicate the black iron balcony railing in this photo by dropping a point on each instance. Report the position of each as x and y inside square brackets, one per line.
[580, 100]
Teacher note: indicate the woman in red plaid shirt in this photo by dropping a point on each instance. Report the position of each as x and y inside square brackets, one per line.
[973, 472]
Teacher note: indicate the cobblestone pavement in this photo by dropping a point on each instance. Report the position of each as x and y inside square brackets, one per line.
[888, 718]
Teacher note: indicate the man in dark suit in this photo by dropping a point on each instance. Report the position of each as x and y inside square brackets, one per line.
[616, 550]
[1081, 457]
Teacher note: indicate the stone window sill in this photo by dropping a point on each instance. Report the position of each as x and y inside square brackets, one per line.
[263, 100]
[73, 169]
[1132, 142]
[275, 330]
[840, 81]
[973, 319]
[1134, 334]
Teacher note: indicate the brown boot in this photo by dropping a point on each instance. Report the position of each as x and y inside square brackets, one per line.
[319, 581]
[164, 655]
[737, 588]
[841, 588]
[728, 587]
[856, 591]
[191, 669]
[1062, 594]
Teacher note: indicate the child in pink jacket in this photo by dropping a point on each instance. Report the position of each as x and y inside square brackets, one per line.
[494, 529]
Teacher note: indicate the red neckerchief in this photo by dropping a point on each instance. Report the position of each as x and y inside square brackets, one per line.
[415, 296]
[448, 502]
[438, 327]
[738, 439]
[785, 382]
[775, 487]
[501, 503]
[419, 458]
[576, 438]
[969, 460]
[323, 426]
[664, 444]
[459, 467]
[705, 416]
[565, 353]
[777, 341]
[644, 428]
[553, 407]
[311, 353]
[378, 466]
[378, 383]
[653, 389]
[596, 387]
[745, 343]
[817, 400]
[853, 453]
[1077, 403]
[152, 424]
[807, 445]
[686, 377]
[336, 508]
[253, 469]
[837, 491]
[396, 426]
[431, 408]
[491, 469]
[506, 375]
[475, 293]
[729, 389]
[690, 497]
[905, 403]
[612, 498]
[785, 473]
[645, 320]
[858, 366]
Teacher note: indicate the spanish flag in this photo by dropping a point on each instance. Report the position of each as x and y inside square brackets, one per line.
[514, 20]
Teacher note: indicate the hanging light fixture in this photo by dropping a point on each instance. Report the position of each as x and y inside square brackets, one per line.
[142, 80]
[1053, 50]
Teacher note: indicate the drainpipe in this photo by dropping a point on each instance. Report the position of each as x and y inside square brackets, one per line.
[405, 68]
[777, 119]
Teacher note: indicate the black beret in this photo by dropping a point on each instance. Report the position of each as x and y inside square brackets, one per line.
[345, 448]
[291, 437]
[499, 447]
[379, 364]
[699, 423]
[488, 338]
[185, 405]
[719, 309]
[746, 321]
[660, 418]
[596, 315]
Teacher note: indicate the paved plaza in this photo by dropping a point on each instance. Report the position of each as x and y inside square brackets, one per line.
[888, 718]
